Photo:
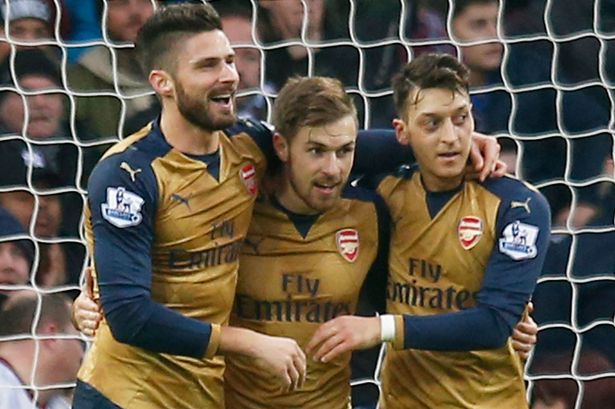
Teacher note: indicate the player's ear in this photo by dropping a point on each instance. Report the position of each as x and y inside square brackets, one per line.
[400, 131]
[280, 144]
[162, 83]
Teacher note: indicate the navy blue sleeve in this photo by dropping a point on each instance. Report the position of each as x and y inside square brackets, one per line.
[379, 152]
[373, 293]
[522, 233]
[123, 207]
[261, 133]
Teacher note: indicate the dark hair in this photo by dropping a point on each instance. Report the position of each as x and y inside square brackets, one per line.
[310, 101]
[460, 5]
[9, 226]
[19, 310]
[32, 61]
[433, 70]
[161, 33]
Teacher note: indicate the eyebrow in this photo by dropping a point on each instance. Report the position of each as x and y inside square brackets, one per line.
[322, 145]
[206, 59]
[464, 107]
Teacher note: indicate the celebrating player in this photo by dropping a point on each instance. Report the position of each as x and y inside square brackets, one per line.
[464, 260]
[309, 247]
[168, 209]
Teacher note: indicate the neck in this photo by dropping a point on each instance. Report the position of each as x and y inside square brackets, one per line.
[435, 184]
[185, 136]
[11, 353]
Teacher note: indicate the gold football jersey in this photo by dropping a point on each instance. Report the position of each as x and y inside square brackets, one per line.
[197, 223]
[296, 272]
[436, 265]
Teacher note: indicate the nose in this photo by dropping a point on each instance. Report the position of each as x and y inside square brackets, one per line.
[492, 28]
[331, 166]
[229, 73]
[449, 132]
[7, 266]
[37, 100]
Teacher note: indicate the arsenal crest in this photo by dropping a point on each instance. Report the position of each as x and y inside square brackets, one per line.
[248, 177]
[470, 231]
[348, 244]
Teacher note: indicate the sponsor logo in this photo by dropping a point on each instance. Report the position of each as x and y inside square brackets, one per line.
[132, 172]
[469, 231]
[122, 208]
[348, 244]
[518, 240]
[248, 177]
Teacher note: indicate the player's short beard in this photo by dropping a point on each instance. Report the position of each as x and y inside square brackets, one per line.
[195, 110]
[315, 206]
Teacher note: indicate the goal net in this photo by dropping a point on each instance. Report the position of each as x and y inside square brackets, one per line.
[543, 74]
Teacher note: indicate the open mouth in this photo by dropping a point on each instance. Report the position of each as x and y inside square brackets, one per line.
[448, 155]
[327, 188]
[221, 99]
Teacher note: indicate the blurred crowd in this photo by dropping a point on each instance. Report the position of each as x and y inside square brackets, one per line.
[542, 82]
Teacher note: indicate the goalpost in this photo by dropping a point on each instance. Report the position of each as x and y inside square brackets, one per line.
[565, 280]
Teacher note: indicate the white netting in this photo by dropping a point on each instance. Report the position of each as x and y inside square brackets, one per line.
[569, 282]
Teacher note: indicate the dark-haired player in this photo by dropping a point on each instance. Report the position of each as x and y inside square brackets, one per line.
[168, 209]
[464, 259]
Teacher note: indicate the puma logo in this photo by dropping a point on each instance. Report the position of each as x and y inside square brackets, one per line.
[525, 205]
[132, 172]
[180, 199]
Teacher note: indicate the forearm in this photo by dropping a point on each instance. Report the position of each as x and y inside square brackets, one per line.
[472, 329]
[139, 321]
[235, 340]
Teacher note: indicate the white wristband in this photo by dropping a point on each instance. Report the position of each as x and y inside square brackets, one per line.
[387, 328]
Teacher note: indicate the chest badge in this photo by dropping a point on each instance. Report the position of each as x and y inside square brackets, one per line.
[348, 244]
[470, 231]
[248, 176]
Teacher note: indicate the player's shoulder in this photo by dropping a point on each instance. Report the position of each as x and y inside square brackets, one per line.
[129, 162]
[360, 195]
[254, 129]
[400, 175]
[508, 187]
[517, 195]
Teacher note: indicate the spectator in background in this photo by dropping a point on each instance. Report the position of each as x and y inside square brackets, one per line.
[15, 255]
[50, 144]
[237, 24]
[52, 263]
[562, 393]
[476, 20]
[116, 70]
[536, 110]
[28, 21]
[281, 22]
[47, 121]
[46, 361]
[53, 160]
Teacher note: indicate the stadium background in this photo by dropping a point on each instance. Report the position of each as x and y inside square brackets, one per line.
[543, 85]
